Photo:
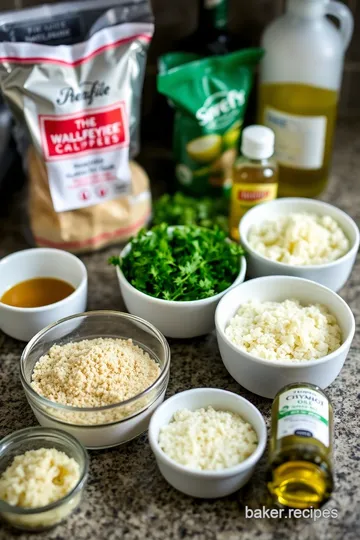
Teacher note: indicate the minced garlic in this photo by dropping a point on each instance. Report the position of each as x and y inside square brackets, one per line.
[38, 477]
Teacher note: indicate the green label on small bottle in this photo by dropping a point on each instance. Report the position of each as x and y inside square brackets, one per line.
[219, 9]
[305, 413]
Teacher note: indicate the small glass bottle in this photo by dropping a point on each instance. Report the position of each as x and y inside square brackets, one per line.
[211, 36]
[255, 174]
[300, 467]
[213, 21]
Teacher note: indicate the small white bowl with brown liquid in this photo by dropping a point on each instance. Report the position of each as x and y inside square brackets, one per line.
[38, 287]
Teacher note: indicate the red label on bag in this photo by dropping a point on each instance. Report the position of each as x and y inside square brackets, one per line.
[253, 195]
[88, 132]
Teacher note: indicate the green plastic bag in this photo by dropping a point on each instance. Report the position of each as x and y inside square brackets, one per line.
[175, 59]
[210, 96]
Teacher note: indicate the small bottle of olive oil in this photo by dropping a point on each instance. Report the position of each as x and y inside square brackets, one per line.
[254, 176]
[300, 468]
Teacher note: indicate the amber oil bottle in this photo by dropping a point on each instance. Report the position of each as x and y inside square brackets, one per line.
[254, 176]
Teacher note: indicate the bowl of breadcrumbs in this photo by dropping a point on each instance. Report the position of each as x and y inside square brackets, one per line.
[97, 375]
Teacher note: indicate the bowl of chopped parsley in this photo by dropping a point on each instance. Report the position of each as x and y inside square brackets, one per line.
[174, 276]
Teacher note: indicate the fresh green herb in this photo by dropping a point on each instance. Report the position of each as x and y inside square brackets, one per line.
[181, 263]
[180, 209]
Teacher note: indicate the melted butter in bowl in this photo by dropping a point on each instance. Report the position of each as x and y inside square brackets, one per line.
[37, 292]
[38, 287]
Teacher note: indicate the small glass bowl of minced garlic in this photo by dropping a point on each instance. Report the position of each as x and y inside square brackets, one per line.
[43, 474]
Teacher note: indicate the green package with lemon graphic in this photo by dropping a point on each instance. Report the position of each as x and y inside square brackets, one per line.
[210, 96]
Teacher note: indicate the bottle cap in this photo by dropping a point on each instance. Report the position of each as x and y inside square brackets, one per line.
[257, 142]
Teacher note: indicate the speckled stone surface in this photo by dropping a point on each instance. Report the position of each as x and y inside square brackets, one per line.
[126, 497]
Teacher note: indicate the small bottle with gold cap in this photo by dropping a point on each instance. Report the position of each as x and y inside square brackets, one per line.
[255, 174]
[300, 459]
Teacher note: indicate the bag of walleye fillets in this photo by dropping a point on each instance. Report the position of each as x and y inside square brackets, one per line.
[72, 74]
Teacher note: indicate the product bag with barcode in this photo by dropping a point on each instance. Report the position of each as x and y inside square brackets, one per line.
[72, 74]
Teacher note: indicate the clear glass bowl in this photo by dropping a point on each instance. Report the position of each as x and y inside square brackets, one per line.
[109, 425]
[33, 438]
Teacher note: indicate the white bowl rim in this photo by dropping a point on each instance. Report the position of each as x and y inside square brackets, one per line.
[162, 301]
[223, 473]
[288, 363]
[312, 203]
[40, 309]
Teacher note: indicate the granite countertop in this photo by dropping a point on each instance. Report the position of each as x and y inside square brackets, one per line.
[126, 497]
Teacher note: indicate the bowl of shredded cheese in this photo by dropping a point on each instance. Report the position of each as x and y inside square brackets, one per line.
[43, 474]
[300, 237]
[207, 441]
[97, 375]
[277, 330]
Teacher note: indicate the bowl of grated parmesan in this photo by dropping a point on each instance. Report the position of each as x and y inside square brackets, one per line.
[207, 441]
[97, 375]
[300, 237]
[277, 330]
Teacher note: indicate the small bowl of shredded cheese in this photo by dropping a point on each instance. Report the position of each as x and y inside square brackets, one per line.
[207, 441]
[300, 237]
[43, 474]
[97, 375]
[277, 330]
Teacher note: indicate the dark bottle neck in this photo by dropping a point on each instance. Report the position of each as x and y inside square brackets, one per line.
[213, 15]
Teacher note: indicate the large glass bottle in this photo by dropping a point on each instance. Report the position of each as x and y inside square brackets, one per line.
[300, 78]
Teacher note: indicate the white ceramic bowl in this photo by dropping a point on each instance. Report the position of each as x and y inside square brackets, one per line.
[24, 323]
[267, 377]
[333, 275]
[206, 484]
[174, 319]
[109, 425]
